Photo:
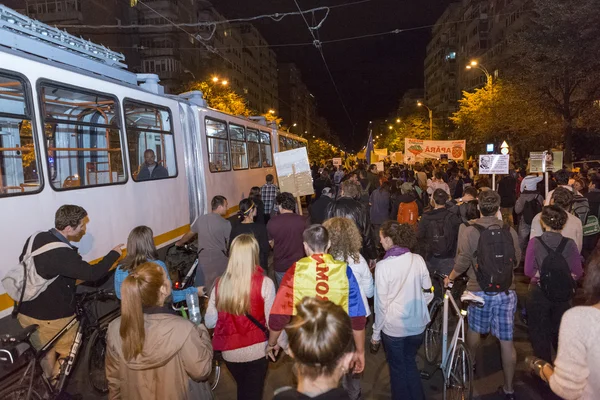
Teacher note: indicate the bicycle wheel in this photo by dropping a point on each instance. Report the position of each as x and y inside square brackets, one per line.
[434, 331]
[19, 393]
[95, 352]
[459, 385]
[215, 374]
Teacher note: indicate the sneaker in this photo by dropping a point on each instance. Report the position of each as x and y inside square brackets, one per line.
[471, 297]
[507, 396]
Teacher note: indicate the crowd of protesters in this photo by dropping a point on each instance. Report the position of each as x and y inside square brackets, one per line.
[361, 260]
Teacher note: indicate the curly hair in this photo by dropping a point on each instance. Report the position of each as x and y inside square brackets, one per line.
[345, 239]
[402, 235]
[351, 189]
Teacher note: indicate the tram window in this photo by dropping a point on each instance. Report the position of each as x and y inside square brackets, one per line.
[19, 171]
[265, 149]
[282, 144]
[237, 136]
[218, 146]
[83, 137]
[254, 149]
[150, 141]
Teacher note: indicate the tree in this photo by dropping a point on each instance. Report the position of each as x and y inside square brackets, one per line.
[505, 111]
[558, 54]
[414, 125]
[221, 97]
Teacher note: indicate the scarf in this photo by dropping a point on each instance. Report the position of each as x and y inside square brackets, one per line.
[395, 252]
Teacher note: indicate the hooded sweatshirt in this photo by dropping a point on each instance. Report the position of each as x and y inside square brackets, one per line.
[175, 353]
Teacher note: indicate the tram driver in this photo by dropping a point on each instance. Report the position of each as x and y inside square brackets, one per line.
[151, 169]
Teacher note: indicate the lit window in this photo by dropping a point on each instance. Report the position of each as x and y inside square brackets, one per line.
[218, 146]
[19, 166]
[83, 137]
[239, 157]
[254, 148]
[150, 141]
[266, 154]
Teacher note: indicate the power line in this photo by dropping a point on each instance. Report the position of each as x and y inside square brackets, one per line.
[214, 51]
[317, 44]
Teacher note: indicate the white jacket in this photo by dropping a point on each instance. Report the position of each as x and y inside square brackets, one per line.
[362, 273]
[400, 303]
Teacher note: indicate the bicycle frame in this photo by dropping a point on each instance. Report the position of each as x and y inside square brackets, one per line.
[459, 334]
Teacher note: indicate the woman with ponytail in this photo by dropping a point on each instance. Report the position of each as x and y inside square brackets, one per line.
[152, 353]
[238, 309]
[321, 342]
[248, 210]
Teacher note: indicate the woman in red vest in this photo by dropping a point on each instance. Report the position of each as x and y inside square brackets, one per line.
[238, 309]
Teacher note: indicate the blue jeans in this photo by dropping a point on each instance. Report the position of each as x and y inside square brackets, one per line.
[401, 355]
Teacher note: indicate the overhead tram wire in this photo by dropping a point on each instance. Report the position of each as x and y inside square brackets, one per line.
[209, 48]
[318, 46]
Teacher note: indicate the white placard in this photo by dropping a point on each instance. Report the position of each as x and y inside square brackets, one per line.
[337, 162]
[494, 164]
[380, 167]
[293, 172]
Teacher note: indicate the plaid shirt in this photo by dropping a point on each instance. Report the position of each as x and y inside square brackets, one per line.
[268, 194]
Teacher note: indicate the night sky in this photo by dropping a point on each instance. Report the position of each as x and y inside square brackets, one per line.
[371, 73]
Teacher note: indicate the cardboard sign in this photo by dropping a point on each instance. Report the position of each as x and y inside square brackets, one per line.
[545, 161]
[494, 164]
[380, 167]
[293, 172]
[337, 162]
[417, 150]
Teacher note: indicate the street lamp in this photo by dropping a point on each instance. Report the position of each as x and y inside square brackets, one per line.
[475, 64]
[398, 120]
[293, 126]
[224, 82]
[420, 104]
[271, 111]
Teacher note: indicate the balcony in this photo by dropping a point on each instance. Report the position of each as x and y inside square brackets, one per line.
[159, 52]
[70, 17]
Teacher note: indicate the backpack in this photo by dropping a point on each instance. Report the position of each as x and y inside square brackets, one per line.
[496, 258]
[440, 237]
[592, 226]
[555, 275]
[23, 283]
[580, 208]
[531, 208]
[408, 213]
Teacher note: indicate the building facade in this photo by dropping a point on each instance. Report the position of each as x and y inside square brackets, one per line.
[297, 105]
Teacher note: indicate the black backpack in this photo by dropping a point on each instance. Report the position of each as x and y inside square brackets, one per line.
[556, 281]
[441, 236]
[496, 258]
[531, 208]
[581, 208]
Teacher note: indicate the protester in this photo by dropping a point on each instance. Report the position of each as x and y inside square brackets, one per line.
[437, 183]
[593, 196]
[256, 196]
[334, 281]
[213, 240]
[372, 178]
[348, 207]
[552, 261]
[508, 197]
[438, 229]
[54, 307]
[247, 213]
[562, 180]
[575, 372]
[141, 250]
[285, 235]
[528, 205]
[269, 192]
[572, 228]
[318, 209]
[380, 206]
[499, 260]
[238, 309]
[151, 353]
[409, 207]
[322, 346]
[401, 314]
[466, 207]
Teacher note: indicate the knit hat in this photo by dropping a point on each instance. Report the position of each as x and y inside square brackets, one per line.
[530, 182]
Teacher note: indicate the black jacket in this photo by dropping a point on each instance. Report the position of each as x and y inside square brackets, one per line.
[157, 173]
[423, 233]
[57, 301]
[347, 207]
[260, 210]
[318, 210]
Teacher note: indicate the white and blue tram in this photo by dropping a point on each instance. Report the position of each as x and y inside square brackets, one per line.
[74, 127]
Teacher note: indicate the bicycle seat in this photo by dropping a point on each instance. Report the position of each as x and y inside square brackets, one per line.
[470, 297]
[22, 336]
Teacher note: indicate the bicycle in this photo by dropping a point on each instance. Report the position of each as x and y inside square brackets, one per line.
[33, 384]
[456, 363]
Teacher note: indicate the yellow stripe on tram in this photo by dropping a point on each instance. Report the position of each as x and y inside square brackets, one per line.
[7, 302]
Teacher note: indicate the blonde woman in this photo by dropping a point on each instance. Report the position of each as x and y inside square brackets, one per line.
[152, 353]
[140, 250]
[238, 309]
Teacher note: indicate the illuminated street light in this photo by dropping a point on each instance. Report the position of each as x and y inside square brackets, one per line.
[224, 82]
[420, 104]
[215, 79]
[295, 124]
[475, 64]
[398, 120]
[390, 127]
[271, 111]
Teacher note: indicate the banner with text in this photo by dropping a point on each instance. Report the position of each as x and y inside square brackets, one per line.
[545, 161]
[417, 150]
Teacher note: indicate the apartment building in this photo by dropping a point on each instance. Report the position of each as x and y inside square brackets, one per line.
[297, 105]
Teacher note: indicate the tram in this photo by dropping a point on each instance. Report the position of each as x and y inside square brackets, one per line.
[76, 128]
